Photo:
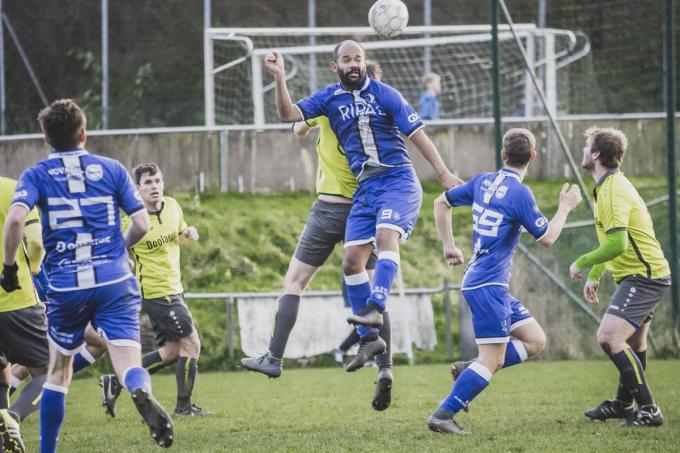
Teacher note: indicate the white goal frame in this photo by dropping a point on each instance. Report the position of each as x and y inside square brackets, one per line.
[428, 36]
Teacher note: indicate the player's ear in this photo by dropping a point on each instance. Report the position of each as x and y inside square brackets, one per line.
[504, 154]
[533, 155]
[334, 66]
[83, 137]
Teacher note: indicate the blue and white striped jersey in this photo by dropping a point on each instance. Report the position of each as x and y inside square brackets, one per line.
[367, 123]
[501, 206]
[79, 196]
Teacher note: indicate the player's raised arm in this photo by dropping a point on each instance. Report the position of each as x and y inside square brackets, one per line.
[284, 106]
[430, 152]
[569, 199]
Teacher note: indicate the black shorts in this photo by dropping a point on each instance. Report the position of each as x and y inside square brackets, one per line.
[325, 227]
[23, 336]
[636, 298]
[170, 318]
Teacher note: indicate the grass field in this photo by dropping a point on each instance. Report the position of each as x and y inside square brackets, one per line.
[534, 407]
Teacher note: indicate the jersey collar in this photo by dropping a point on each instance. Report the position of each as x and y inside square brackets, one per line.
[72, 153]
[367, 82]
[602, 179]
[511, 173]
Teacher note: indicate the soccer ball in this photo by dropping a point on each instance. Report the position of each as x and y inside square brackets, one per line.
[388, 17]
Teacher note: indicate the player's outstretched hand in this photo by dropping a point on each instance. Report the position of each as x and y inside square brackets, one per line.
[575, 273]
[9, 281]
[590, 292]
[570, 196]
[274, 64]
[453, 256]
[190, 233]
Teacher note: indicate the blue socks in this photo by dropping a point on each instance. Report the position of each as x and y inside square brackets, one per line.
[358, 292]
[385, 270]
[515, 353]
[52, 410]
[137, 378]
[469, 384]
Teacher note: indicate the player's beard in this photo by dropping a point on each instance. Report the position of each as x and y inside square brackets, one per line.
[349, 83]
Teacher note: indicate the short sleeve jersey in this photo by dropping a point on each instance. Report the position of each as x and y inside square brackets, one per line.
[157, 254]
[501, 206]
[79, 196]
[367, 122]
[26, 296]
[333, 176]
[618, 206]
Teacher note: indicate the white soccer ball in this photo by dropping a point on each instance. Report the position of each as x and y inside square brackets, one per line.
[388, 17]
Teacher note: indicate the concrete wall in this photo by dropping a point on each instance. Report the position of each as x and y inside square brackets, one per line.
[275, 160]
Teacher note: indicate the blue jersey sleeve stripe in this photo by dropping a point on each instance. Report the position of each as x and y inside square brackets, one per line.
[302, 112]
[416, 129]
[21, 203]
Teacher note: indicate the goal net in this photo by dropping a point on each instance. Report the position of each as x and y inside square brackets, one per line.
[239, 91]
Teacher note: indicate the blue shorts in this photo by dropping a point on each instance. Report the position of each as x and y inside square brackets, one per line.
[495, 313]
[112, 309]
[391, 200]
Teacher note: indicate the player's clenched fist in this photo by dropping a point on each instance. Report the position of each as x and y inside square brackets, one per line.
[190, 234]
[570, 196]
[274, 64]
[453, 256]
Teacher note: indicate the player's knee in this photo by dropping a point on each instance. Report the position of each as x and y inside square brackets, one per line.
[536, 345]
[191, 346]
[608, 344]
[352, 265]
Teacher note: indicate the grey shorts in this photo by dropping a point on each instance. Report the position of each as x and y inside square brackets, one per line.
[23, 336]
[636, 298]
[170, 318]
[325, 227]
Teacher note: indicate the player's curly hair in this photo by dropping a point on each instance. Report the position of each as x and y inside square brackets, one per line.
[150, 169]
[610, 143]
[518, 143]
[63, 123]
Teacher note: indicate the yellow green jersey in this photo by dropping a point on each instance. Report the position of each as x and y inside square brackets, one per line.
[618, 206]
[333, 176]
[157, 254]
[26, 296]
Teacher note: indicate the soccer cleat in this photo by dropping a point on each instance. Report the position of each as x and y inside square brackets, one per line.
[338, 356]
[155, 417]
[367, 349]
[191, 411]
[111, 389]
[383, 389]
[265, 364]
[369, 317]
[10, 435]
[649, 416]
[610, 409]
[447, 426]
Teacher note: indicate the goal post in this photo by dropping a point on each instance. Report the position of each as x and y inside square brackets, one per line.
[236, 87]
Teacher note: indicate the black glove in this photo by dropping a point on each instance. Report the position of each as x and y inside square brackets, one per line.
[8, 279]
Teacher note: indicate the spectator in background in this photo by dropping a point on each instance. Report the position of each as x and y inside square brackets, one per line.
[429, 98]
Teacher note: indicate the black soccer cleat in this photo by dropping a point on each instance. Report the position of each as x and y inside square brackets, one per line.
[265, 364]
[191, 411]
[650, 416]
[610, 409]
[10, 435]
[370, 316]
[367, 349]
[155, 417]
[111, 389]
[383, 389]
[445, 426]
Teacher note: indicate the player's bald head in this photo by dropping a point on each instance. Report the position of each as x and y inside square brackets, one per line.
[348, 46]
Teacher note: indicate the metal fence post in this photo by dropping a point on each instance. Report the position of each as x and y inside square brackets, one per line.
[447, 334]
[230, 327]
